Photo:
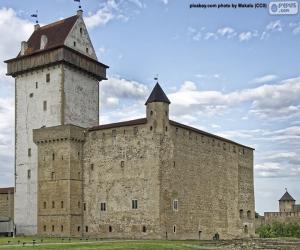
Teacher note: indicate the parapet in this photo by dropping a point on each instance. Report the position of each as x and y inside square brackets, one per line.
[59, 133]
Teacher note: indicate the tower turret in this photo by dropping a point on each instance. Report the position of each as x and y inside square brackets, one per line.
[286, 203]
[158, 109]
[57, 76]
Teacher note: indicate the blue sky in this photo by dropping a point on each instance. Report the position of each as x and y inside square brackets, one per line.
[230, 72]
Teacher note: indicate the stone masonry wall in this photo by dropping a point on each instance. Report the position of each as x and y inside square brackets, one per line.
[7, 205]
[205, 176]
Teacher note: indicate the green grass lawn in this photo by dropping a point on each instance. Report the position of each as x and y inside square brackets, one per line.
[54, 243]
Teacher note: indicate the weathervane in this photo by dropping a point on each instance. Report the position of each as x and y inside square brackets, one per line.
[79, 5]
[36, 17]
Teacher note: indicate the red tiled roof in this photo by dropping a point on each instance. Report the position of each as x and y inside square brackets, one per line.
[56, 33]
[7, 190]
[120, 124]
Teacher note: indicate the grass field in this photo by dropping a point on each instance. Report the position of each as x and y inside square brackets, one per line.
[54, 243]
[57, 243]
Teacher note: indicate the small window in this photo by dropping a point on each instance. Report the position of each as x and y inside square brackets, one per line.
[103, 206]
[52, 228]
[92, 166]
[110, 229]
[45, 204]
[61, 228]
[62, 204]
[151, 128]
[78, 204]
[245, 229]
[84, 206]
[241, 213]
[144, 229]
[45, 228]
[74, 44]
[175, 205]
[166, 128]
[48, 77]
[87, 50]
[31, 95]
[243, 151]
[45, 105]
[134, 204]
[78, 229]
[174, 229]
[151, 112]
[52, 176]
[53, 204]
[80, 31]
[249, 214]
[53, 157]
[29, 152]
[86, 229]
[28, 173]
[36, 85]
[122, 164]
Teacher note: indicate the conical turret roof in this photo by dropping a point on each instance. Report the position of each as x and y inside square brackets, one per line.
[157, 95]
[287, 197]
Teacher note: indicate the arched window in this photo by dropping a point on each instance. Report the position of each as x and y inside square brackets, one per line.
[249, 214]
[241, 213]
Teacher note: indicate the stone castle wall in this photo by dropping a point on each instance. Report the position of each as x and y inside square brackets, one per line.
[153, 162]
[7, 205]
[282, 217]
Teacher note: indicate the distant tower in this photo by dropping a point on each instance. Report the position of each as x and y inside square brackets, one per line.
[57, 78]
[286, 203]
[158, 109]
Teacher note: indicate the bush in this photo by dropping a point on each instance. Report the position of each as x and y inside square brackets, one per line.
[277, 229]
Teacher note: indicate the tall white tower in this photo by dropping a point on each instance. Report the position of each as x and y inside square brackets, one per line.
[57, 78]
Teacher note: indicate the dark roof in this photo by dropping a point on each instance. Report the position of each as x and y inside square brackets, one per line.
[56, 33]
[120, 124]
[287, 197]
[157, 95]
[7, 190]
[177, 124]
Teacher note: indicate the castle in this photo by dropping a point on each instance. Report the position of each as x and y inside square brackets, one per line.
[146, 178]
[289, 212]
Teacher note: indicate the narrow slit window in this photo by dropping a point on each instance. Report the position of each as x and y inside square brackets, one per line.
[48, 77]
[28, 173]
[134, 204]
[175, 205]
[103, 206]
[29, 152]
[45, 105]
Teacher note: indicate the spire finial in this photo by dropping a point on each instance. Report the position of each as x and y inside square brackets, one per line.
[285, 189]
[36, 17]
[79, 5]
[156, 78]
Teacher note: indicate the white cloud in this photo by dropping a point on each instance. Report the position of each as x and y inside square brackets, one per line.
[117, 89]
[264, 79]
[209, 35]
[245, 36]
[227, 32]
[100, 18]
[112, 10]
[188, 86]
[275, 26]
[279, 101]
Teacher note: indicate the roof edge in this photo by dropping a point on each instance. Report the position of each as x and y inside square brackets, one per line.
[139, 121]
[177, 124]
